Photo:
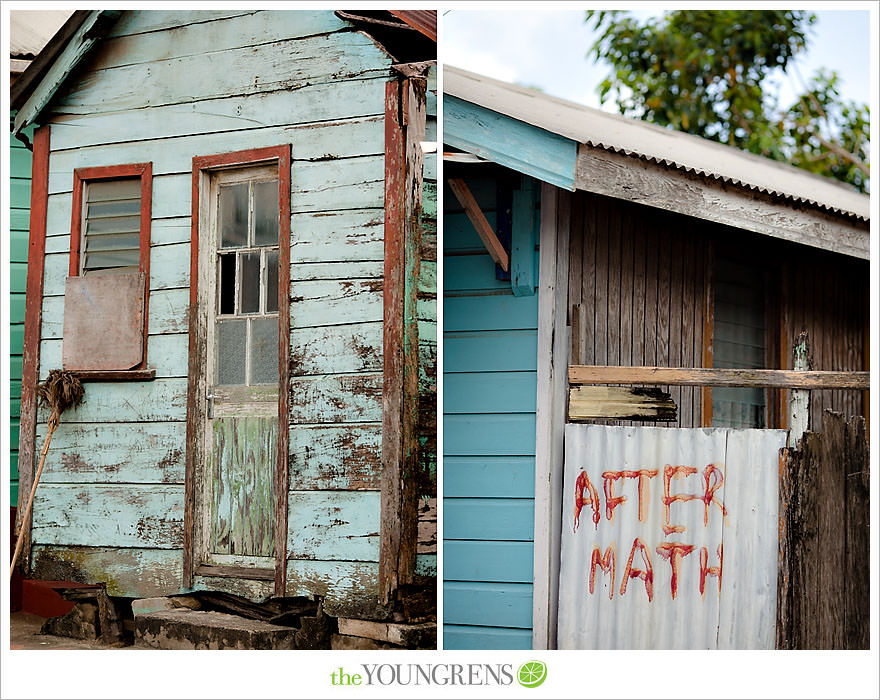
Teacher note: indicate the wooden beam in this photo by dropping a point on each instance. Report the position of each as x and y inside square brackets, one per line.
[484, 229]
[683, 376]
[636, 180]
[620, 403]
[32, 323]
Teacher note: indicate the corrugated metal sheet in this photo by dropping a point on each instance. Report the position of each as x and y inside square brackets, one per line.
[30, 30]
[423, 20]
[711, 493]
[656, 144]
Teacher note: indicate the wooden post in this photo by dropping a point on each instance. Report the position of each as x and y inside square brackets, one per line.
[799, 405]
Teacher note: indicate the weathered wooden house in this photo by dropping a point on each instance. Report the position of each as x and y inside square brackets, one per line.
[625, 245]
[232, 243]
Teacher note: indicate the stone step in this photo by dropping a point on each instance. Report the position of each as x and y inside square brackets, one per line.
[199, 629]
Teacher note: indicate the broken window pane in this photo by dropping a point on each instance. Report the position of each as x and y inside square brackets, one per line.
[250, 283]
[227, 283]
[264, 350]
[266, 213]
[231, 345]
[233, 215]
[271, 281]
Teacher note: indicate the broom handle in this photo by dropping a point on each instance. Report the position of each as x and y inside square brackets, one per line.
[53, 422]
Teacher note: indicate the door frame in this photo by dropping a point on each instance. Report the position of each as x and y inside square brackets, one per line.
[196, 405]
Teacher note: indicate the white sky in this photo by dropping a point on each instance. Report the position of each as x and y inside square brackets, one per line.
[548, 49]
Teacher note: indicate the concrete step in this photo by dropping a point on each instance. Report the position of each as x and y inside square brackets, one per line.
[199, 629]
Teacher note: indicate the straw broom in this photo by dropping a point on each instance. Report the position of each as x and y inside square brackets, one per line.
[60, 391]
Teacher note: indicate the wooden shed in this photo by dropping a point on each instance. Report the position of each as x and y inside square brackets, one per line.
[627, 245]
[232, 243]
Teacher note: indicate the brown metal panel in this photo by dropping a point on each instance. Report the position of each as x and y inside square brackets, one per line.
[104, 321]
[424, 21]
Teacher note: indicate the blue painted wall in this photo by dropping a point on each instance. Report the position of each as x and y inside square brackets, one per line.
[490, 385]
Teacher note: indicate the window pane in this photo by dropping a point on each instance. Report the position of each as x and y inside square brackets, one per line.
[114, 189]
[266, 213]
[264, 351]
[271, 281]
[227, 283]
[114, 224]
[231, 352]
[233, 215]
[121, 258]
[113, 241]
[250, 283]
[121, 207]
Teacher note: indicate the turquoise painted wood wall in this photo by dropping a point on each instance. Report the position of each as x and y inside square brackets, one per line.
[19, 220]
[165, 86]
[490, 386]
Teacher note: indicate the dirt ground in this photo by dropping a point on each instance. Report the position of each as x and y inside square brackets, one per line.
[24, 633]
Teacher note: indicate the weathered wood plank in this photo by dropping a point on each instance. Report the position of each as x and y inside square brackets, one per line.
[167, 354]
[128, 572]
[334, 302]
[339, 398]
[282, 65]
[857, 591]
[335, 457]
[343, 349]
[655, 185]
[683, 376]
[109, 515]
[321, 142]
[356, 183]
[122, 453]
[127, 402]
[333, 525]
[323, 102]
[349, 589]
[156, 20]
[336, 270]
[139, 38]
[243, 457]
[252, 589]
[351, 235]
[831, 526]
[427, 526]
[620, 403]
[481, 225]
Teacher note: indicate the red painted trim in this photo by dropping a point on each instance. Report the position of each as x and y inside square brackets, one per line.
[254, 156]
[111, 172]
[33, 320]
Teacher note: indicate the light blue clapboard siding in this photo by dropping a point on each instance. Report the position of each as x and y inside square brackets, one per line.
[466, 637]
[489, 518]
[333, 525]
[488, 477]
[358, 235]
[168, 354]
[490, 382]
[345, 349]
[281, 65]
[490, 604]
[130, 453]
[341, 100]
[109, 514]
[348, 587]
[128, 402]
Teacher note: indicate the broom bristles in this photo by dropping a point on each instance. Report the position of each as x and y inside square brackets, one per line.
[61, 390]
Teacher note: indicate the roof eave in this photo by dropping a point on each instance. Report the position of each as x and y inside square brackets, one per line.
[35, 88]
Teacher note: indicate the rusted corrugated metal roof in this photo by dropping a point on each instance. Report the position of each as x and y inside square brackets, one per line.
[675, 542]
[636, 138]
[423, 20]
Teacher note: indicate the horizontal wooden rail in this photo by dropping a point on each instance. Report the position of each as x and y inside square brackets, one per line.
[683, 376]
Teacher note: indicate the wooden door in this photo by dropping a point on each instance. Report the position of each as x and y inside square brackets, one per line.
[238, 281]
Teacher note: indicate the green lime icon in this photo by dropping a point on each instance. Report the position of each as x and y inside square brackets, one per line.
[531, 674]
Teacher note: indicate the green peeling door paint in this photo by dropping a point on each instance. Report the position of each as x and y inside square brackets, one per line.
[240, 269]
